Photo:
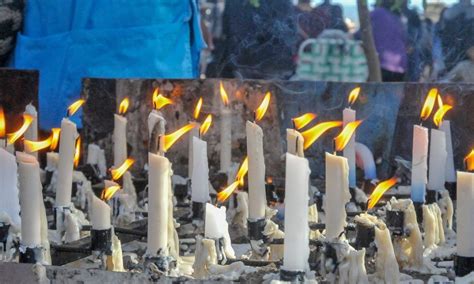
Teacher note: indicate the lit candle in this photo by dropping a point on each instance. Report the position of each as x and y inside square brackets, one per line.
[465, 209]
[32, 131]
[93, 154]
[52, 160]
[99, 213]
[226, 132]
[295, 142]
[192, 134]
[67, 143]
[120, 133]
[348, 116]
[200, 173]
[437, 161]
[9, 203]
[296, 245]
[450, 169]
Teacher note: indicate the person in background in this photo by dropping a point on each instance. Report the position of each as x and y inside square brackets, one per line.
[332, 16]
[309, 23]
[414, 28]
[464, 70]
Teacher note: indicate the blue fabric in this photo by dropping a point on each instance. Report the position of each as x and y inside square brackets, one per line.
[71, 39]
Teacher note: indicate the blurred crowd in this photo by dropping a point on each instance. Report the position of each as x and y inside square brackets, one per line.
[261, 38]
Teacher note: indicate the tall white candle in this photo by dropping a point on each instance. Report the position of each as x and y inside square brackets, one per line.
[419, 163]
[66, 162]
[295, 142]
[437, 162]
[120, 139]
[100, 213]
[296, 245]
[337, 195]
[226, 140]
[32, 132]
[349, 115]
[256, 173]
[52, 160]
[9, 202]
[200, 177]
[93, 154]
[450, 169]
[158, 188]
[465, 213]
[192, 133]
[30, 199]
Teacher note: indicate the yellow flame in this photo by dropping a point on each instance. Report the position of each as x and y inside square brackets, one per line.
[243, 170]
[439, 114]
[205, 125]
[262, 109]
[55, 138]
[429, 104]
[224, 194]
[123, 107]
[343, 138]
[77, 153]
[159, 101]
[13, 137]
[305, 119]
[108, 192]
[74, 107]
[353, 95]
[469, 160]
[224, 97]
[170, 139]
[118, 172]
[312, 134]
[440, 102]
[379, 190]
[197, 109]
[34, 146]
[2, 123]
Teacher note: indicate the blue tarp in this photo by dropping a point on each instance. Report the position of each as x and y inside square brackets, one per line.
[67, 40]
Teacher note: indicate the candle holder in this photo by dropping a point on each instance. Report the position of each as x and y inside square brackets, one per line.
[198, 210]
[101, 240]
[463, 265]
[163, 263]
[258, 241]
[451, 187]
[365, 235]
[395, 220]
[4, 230]
[30, 254]
[292, 276]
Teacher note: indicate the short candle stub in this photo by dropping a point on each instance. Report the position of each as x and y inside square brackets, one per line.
[199, 210]
[292, 276]
[395, 220]
[365, 235]
[30, 255]
[463, 265]
[101, 240]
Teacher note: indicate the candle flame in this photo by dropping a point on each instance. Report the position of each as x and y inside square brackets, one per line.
[123, 107]
[345, 136]
[439, 114]
[469, 161]
[159, 101]
[108, 192]
[303, 120]
[34, 146]
[243, 170]
[197, 109]
[2, 123]
[379, 190]
[224, 97]
[353, 95]
[429, 104]
[77, 153]
[262, 109]
[170, 139]
[13, 137]
[120, 171]
[440, 102]
[311, 135]
[74, 107]
[55, 138]
[224, 194]
[205, 125]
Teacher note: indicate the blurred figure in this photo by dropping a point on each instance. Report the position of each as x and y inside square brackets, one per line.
[332, 16]
[464, 70]
[415, 33]
[309, 23]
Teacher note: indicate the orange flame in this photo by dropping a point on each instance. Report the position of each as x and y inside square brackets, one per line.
[343, 138]
[159, 101]
[353, 95]
[27, 120]
[469, 161]
[74, 107]
[224, 97]
[123, 107]
[34, 146]
[77, 153]
[262, 109]
[108, 192]
[224, 194]
[429, 104]
[243, 170]
[118, 172]
[170, 139]
[2, 123]
[312, 134]
[439, 114]
[205, 125]
[197, 109]
[379, 190]
[55, 138]
[305, 119]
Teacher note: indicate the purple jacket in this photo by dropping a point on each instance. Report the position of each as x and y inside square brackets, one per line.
[390, 40]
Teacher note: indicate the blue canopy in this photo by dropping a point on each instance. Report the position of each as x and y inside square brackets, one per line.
[67, 40]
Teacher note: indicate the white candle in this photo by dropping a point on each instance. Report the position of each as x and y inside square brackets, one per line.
[256, 173]
[200, 177]
[437, 162]
[349, 115]
[52, 160]
[295, 142]
[465, 213]
[337, 195]
[66, 162]
[99, 213]
[93, 154]
[9, 202]
[158, 189]
[296, 245]
[215, 223]
[226, 140]
[155, 117]
[450, 169]
[30, 199]
[419, 163]
[32, 132]
[120, 139]
[192, 133]
[386, 263]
